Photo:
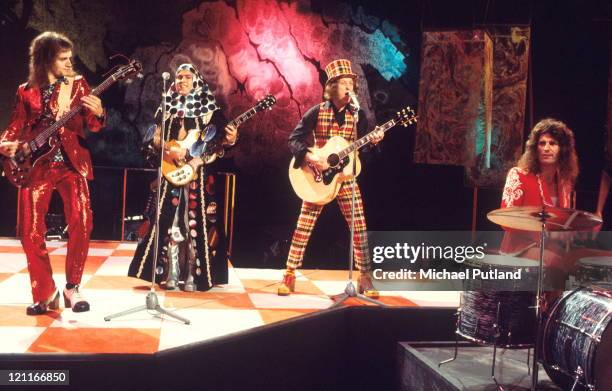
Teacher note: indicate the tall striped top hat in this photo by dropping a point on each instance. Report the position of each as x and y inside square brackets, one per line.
[337, 69]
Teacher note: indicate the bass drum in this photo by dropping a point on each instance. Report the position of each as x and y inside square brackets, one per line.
[577, 339]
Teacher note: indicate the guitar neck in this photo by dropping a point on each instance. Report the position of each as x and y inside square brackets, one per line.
[365, 140]
[242, 118]
[49, 132]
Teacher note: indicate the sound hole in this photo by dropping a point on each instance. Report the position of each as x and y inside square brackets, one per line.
[333, 160]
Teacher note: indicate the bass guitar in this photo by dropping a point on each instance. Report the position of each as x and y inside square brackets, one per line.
[204, 147]
[321, 187]
[46, 141]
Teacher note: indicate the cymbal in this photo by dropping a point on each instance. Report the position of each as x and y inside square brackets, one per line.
[529, 218]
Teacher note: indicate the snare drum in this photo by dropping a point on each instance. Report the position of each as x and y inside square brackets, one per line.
[594, 269]
[577, 338]
[505, 318]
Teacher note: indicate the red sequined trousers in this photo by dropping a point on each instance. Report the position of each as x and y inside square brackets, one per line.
[34, 203]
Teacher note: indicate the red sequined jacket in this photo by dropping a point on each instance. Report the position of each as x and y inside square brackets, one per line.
[28, 108]
[527, 189]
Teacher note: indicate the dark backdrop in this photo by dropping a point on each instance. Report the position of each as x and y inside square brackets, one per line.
[570, 65]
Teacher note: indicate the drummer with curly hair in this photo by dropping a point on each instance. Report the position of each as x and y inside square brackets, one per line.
[545, 175]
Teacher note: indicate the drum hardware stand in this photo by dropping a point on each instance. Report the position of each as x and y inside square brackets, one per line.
[349, 290]
[528, 361]
[496, 327]
[578, 374]
[152, 303]
[458, 314]
[497, 334]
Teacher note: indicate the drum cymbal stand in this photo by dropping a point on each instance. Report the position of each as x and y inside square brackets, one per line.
[543, 216]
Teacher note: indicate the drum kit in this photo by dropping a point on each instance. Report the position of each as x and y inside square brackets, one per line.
[572, 339]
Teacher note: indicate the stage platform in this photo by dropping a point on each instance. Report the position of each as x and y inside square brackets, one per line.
[419, 368]
[247, 302]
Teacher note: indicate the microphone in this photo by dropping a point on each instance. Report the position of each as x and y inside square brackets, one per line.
[353, 102]
[166, 76]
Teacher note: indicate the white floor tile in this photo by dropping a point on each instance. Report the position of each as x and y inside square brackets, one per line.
[127, 246]
[16, 289]
[12, 262]
[206, 324]
[18, 339]
[10, 242]
[114, 266]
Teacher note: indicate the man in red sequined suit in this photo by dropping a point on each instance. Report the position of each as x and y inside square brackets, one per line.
[52, 90]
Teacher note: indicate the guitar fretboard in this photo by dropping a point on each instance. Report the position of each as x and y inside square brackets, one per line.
[42, 138]
[244, 116]
[365, 139]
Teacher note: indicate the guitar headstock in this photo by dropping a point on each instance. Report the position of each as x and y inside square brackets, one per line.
[266, 103]
[406, 117]
[127, 71]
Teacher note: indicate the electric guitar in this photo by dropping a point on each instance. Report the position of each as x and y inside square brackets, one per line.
[204, 147]
[45, 141]
[321, 187]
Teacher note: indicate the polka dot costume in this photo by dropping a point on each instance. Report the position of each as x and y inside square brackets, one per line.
[198, 103]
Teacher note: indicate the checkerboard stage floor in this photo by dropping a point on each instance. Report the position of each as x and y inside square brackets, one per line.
[247, 302]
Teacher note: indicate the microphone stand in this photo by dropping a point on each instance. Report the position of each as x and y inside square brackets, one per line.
[152, 302]
[349, 290]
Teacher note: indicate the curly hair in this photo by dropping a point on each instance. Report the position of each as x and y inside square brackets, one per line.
[43, 51]
[568, 161]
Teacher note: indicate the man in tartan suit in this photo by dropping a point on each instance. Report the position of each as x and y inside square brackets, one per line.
[332, 117]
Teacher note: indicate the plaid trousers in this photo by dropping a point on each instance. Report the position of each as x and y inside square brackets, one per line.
[308, 218]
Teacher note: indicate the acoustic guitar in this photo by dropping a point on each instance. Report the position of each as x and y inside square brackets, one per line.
[321, 187]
